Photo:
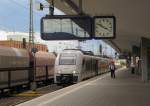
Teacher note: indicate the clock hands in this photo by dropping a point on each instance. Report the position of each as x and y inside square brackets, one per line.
[103, 27]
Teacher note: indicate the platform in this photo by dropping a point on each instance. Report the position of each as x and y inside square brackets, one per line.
[125, 90]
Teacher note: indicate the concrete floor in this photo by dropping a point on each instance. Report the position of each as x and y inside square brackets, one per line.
[125, 90]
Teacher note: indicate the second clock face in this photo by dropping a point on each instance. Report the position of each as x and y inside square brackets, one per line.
[104, 27]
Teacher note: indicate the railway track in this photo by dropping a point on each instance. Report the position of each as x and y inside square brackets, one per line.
[14, 99]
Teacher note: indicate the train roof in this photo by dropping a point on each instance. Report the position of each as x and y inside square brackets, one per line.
[84, 52]
[90, 53]
[10, 51]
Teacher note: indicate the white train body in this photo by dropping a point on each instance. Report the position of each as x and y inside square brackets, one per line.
[72, 66]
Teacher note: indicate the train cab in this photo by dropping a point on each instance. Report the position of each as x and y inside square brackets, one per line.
[68, 66]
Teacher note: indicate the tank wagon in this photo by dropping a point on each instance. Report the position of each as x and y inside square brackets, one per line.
[72, 66]
[16, 67]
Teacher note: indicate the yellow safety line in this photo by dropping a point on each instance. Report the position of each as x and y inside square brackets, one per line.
[29, 94]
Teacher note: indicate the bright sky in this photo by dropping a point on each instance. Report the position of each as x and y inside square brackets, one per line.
[14, 15]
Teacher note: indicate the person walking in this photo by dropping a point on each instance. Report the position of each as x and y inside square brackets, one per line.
[132, 68]
[112, 69]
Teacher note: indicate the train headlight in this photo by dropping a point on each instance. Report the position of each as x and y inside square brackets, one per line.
[59, 72]
[74, 72]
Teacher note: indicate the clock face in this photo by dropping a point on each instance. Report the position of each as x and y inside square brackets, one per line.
[104, 27]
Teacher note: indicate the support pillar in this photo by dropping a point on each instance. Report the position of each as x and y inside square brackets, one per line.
[145, 44]
[136, 53]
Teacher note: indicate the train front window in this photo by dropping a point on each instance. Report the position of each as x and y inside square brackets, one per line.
[67, 59]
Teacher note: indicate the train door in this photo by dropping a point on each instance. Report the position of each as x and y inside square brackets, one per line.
[96, 67]
[83, 70]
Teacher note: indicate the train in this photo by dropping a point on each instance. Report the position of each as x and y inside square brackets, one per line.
[17, 65]
[73, 66]
[69, 66]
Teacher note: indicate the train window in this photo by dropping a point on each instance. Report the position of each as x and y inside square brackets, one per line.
[67, 59]
[88, 64]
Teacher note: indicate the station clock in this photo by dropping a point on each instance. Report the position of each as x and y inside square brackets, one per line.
[104, 26]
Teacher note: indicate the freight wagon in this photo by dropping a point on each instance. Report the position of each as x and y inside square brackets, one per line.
[16, 67]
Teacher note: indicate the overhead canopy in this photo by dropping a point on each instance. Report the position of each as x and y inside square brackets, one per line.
[133, 17]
